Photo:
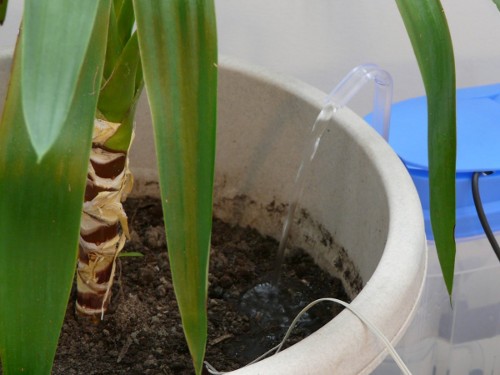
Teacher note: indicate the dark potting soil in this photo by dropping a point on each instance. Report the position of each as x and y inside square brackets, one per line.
[142, 332]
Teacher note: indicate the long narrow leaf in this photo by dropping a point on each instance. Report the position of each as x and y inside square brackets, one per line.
[40, 210]
[125, 20]
[114, 45]
[55, 38]
[178, 47]
[119, 90]
[428, 30]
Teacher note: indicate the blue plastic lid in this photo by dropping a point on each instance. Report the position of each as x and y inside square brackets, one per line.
[478, 149]
[478, 130]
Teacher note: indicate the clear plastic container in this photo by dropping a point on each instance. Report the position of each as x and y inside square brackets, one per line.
[463, 339]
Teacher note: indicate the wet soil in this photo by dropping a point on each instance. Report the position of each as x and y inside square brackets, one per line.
[142, 332]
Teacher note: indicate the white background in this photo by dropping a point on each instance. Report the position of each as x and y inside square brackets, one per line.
[319, 41]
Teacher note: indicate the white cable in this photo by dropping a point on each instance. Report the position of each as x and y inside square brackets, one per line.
[370, 325]
[360, 316]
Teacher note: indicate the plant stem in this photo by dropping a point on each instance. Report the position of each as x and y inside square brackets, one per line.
[104, 226]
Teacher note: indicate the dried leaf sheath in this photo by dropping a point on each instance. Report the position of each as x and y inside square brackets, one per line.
[104, 227]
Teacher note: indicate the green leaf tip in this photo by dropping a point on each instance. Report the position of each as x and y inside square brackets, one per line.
[497, 3]
[54, 39]
[427, 27]
[178, 45]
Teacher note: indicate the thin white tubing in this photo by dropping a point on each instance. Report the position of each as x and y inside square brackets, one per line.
[404, 369]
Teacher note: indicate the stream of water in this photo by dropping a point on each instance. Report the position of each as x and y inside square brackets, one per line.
[308, 154]
[266, 298]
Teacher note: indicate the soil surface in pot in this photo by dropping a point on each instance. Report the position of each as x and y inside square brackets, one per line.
[142, 332]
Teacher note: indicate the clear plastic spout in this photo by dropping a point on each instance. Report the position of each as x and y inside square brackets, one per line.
[358, 78]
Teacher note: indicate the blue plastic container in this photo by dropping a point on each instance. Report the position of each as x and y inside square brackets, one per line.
[478, 150]
[466, 339]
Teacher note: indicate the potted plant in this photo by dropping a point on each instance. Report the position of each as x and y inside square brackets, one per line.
[45, 140]
[262, 116]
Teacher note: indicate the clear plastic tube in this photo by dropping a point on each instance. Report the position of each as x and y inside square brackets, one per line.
[382, 102]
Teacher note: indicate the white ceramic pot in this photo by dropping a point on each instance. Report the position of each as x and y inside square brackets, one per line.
[360, 209]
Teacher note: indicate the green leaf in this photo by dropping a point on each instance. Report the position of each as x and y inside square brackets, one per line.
[114, 45]
[119, 90]
[125, 20]
[178, 46]
[120, 141]
[121, 22]
[3, 10]
[117, 4]
[427, 28]
[55, 38]
[497, 3]
[130, 254]
[40, 210]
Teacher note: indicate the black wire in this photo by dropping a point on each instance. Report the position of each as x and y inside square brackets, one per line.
[481, 214]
